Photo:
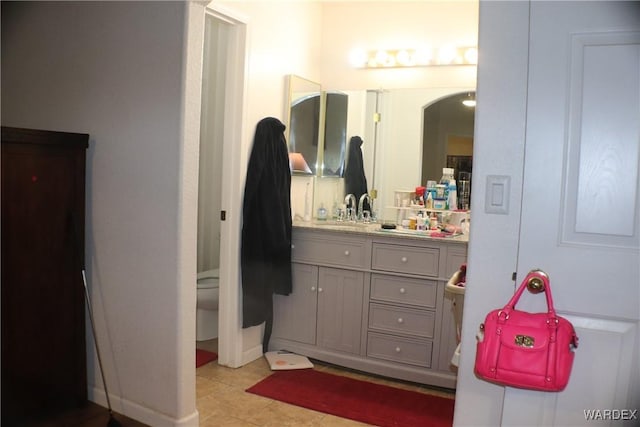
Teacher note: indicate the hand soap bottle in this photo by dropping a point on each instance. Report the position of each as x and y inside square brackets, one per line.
[322, 213]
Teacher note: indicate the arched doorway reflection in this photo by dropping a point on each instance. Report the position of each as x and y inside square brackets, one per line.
[447, 139]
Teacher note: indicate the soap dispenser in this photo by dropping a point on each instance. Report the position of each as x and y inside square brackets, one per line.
[322, 212]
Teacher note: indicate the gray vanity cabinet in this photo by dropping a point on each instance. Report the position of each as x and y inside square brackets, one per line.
[324, 309]
[371, 302]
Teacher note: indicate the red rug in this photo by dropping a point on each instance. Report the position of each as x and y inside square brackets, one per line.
[203, 357]
[355, 399]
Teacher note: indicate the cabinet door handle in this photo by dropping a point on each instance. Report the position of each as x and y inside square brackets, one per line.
[403, 259]
[346, 253]
[293, 246]
[400, 320]
[319, 289]
[397, 349]
[313, 289]
[403, 290]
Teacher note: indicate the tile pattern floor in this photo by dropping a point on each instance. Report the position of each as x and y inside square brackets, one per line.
[222, 400]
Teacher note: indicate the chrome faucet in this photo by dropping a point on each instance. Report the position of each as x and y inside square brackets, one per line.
[361, 215]
[350, 200]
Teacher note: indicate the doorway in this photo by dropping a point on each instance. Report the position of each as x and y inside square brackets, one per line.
[222, 108]
[447, 138]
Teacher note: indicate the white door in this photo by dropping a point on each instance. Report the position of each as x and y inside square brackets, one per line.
[581, 209]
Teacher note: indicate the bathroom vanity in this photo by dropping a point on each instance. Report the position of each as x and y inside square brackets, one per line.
[371, 300]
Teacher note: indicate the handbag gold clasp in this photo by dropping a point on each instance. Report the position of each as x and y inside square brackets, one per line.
[524, 341]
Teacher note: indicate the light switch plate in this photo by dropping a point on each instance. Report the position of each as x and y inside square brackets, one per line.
[497, 194]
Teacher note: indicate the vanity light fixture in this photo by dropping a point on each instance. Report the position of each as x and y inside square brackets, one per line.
[394, 58]
[298, 164]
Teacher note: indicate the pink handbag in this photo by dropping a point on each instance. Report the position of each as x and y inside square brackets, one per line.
[526, 350]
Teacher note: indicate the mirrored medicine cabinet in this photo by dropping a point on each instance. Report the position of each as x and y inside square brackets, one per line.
[317, 128]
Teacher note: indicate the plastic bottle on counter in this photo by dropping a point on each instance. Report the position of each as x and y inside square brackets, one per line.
[322, 212]
[452, 200]
[447, 176]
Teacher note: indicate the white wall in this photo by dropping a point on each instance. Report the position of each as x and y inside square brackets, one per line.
[372, 25]
[121, 72]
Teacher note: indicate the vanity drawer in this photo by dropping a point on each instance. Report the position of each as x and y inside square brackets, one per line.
[402, 320]
[398, 349]
[403, 290]
[342, 252]
[406, 259]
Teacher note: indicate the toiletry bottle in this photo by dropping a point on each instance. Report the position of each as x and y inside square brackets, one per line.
[433, 222]
[335, 210]
[429, 202]
[322, 212]
[447, 176]
[452, 201]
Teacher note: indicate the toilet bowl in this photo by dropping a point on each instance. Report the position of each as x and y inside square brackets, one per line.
[207, 305]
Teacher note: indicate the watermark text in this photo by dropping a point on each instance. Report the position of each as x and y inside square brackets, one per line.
[610, 414]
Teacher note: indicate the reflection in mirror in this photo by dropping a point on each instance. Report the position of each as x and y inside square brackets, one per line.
[448, 141]
[317, 127]
[335, 134]
[392, 125]
[304, 121]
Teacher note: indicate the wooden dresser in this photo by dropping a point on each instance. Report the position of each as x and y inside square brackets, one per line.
[43, 314]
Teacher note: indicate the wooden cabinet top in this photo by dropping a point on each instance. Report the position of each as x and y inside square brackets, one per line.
[44, 137]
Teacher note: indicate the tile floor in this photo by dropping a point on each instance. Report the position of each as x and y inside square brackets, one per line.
[222, 400]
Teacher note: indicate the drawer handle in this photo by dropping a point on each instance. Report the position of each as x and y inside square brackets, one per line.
[319, 289]
[397, 349]
[403, 259]
[346, 253]
[403, 290]
[400, 320]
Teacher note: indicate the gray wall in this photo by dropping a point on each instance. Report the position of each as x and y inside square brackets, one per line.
[116, 70]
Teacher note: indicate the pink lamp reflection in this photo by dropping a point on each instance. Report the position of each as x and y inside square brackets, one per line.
[298, 164]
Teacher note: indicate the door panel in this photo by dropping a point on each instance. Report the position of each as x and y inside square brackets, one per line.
[340, 294]
[294, 315]
[580, 209]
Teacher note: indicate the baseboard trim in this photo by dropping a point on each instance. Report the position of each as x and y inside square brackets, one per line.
[141, 413]
[252, 354]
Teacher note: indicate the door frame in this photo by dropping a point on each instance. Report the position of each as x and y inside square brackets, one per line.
[230, 343]
[500, 125]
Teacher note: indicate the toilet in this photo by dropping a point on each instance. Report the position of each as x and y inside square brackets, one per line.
[207, 305]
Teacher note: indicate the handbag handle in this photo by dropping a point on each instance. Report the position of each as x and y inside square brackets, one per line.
[541, 275]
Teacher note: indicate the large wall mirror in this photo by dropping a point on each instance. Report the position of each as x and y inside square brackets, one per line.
[317, 123]
[416, 133]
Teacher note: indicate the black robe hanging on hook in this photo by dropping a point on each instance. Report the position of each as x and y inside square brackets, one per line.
[355, 181]
[266, 227]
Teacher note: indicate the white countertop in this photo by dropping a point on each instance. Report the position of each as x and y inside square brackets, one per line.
[376, 230]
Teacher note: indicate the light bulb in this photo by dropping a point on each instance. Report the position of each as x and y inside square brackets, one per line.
[358, 58]
[471, 55]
